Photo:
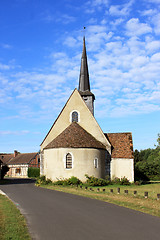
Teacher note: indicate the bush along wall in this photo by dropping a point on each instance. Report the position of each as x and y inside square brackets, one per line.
[33, 172]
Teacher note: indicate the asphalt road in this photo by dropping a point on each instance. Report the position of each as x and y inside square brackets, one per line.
[53, 215]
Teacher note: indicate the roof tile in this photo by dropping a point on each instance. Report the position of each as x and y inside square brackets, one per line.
[122, 145]
[22, 158]
[75, 136]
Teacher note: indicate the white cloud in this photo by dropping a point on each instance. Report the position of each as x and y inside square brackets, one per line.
[153, 46]
[6, 46]
[149, 12]
[99, 2]
[117, 22]
[66, 19]
[156, 57]
[135, 45]
[49, 17]
[22, 132]
[136, 28]
[4, 66]
[153, 1]
[156, 22]
[70, 42]
[93, 21]
[96, 29]
[121, 10]
[93, 5]
[140, 61]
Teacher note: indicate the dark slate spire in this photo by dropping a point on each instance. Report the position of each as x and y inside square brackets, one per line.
[84, 84]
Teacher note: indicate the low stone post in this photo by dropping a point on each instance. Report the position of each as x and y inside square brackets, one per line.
[126, 192]
[135, 193]
[118, 190]
[158, 196]
[111, 190]
[146, 194]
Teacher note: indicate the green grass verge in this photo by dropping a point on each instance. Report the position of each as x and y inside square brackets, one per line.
[150, 205]
[12, 222]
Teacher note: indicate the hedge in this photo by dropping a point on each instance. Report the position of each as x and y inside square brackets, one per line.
[33, 172]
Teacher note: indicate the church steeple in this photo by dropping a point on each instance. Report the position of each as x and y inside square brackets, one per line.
[84, 84]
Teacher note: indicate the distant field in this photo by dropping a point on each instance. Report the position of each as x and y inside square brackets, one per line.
[150, 205]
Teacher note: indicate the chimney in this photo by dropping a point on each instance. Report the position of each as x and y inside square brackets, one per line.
[15, 153]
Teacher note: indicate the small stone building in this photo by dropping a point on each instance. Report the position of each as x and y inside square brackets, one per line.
[19, 163]
[76, 145]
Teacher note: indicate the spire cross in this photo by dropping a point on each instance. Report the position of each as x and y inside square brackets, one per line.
[84, 30]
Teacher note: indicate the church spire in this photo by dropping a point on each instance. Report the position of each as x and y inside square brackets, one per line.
[84, 84]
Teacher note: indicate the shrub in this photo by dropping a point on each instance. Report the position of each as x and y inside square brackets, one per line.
[59, 182]
[70, 181]
[42, 180]
[124, 181]
[120, 181]
[74, 180]
[33, 172]
[93, 181]
[138, 183]
[116, 180]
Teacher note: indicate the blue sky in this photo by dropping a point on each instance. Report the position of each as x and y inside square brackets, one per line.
[40, 54]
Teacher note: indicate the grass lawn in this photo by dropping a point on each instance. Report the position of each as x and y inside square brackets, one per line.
[150, 205]
[12, 223]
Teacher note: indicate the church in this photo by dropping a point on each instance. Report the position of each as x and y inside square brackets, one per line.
[76, 145]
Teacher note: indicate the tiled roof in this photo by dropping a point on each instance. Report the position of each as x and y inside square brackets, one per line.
[75, 136]
[122, 146]
[5, 157]
[22, 158]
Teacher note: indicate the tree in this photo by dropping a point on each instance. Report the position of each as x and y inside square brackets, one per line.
[4, 170]
[147, 163]
[158, 140]
[136, 156]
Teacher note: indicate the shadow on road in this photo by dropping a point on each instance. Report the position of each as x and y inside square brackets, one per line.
[8, 181]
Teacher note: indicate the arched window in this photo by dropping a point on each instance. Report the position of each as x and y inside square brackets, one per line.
[68, 161]
[74, 116]
[96, 163]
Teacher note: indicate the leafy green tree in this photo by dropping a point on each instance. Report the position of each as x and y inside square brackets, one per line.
[136, 156]
[147, 163]
[158, 140]
[4, 170]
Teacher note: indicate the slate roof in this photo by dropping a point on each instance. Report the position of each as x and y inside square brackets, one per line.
[86, 93]
[122, 145]
[75, 136]
[5, 157]
[22, 158]
[84, 84]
